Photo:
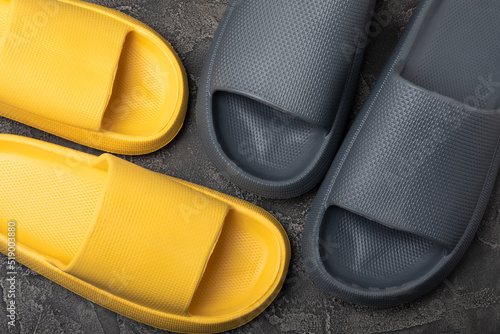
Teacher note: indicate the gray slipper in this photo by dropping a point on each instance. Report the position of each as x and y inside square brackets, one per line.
[276, 90]
[410, 184]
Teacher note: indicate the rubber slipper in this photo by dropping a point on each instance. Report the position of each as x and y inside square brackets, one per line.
[409, 186]
[161, 251]
[110, 82]
[276, 90]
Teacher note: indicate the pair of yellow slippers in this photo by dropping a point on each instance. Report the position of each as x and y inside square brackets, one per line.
[159, 250]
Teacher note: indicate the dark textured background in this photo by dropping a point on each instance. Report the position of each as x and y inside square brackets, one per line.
[468, 302]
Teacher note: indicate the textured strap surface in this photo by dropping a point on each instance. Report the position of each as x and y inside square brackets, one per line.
[151, 240]
[58, 60]
[294, 55]
[419, 163]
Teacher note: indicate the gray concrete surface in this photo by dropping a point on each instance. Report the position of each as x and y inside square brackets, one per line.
[468, 302]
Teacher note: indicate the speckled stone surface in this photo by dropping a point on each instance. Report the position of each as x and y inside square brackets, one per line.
[467, 302]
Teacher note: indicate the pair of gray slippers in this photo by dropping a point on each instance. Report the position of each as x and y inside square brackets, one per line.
[404, 192]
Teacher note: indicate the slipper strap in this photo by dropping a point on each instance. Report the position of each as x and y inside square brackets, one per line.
[419, 163]
[304, 59]
[58, 60]
[151, 239]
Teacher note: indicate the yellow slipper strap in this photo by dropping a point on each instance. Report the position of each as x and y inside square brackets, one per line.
[151, 239]
[58, 60]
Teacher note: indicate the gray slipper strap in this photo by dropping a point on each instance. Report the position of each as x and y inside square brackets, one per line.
[293, 55]
[419, 163]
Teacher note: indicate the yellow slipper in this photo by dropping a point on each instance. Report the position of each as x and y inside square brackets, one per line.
[89, 74]
[153, 248]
